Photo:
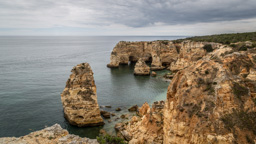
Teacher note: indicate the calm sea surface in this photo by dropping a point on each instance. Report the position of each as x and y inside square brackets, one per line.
[34, 70]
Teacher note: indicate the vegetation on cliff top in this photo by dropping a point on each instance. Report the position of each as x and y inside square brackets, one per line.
[108, 139]
[225, 38]
[239, 41]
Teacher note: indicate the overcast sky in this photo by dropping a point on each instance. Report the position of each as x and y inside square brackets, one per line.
[126, 17]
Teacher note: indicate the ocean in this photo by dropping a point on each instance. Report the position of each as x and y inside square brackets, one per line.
[34, 71]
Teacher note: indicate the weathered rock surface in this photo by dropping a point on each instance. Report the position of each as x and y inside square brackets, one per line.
[213, 100]
[79, 98]
[141, 68]
[50, 135]
[158, 52]
[189, 53]
[145, 129]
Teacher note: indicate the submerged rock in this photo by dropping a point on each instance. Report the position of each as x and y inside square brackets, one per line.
[153, 74]
[141, 68]
[133, 108]
[118, 109]
[50, 135]
[105, 114]
[79, 98]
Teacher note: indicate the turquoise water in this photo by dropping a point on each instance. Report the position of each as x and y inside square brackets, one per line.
[34, 70]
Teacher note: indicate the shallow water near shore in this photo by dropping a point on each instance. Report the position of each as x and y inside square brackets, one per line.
[34, 70]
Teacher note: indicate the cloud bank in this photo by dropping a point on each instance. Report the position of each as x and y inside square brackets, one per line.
[120, 17]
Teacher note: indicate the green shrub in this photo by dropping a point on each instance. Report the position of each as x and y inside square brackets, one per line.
[240, 91]
[223, 38]
[208, 48]
[108, 139]
[241, 119]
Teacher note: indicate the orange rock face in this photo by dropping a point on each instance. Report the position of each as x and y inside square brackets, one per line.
[79, 98]
[213, 101]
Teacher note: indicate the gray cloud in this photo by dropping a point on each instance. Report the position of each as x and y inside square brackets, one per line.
[122, 13]
[133, 13]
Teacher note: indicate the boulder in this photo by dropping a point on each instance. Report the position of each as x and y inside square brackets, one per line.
[133, 108]
[118, 109]
[153, 74]
[105, 114]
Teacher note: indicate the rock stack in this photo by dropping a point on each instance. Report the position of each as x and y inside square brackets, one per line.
[141, 68]
[79, 98]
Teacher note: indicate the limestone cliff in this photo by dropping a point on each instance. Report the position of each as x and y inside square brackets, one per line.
[213, 100]
[189, 53]
[160, 53]
[50, 135]
[79, 98]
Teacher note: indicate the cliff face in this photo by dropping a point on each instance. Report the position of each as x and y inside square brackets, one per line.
[50, 135]
[158, 52]
[189, 53]
[79, 98]
[162, 54]
[213, 100]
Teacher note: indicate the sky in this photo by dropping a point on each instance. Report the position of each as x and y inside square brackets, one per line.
[126, 17]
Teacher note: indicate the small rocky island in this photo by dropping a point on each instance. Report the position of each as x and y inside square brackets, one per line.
[79, 98]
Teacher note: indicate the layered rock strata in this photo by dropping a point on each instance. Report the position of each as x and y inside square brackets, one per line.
[213, 100]
[141, 68]
[50, 135]
[189, 53]
[79, 98]
[161, 54]
[158, 52]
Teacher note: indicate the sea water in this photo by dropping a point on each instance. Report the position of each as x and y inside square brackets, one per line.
[34, 71]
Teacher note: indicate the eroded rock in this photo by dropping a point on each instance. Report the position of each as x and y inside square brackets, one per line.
[79, 98]
[207, 101]
[141, 68]
[50, 135]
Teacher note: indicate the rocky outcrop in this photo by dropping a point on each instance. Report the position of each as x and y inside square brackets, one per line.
[189, 53]
[141, 68]
[146, 128]
[50, 135]
[79, 98]
[160, 53]
[213, 100]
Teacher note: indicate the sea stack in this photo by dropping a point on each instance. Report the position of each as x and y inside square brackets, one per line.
[79, 98]
[141, 68]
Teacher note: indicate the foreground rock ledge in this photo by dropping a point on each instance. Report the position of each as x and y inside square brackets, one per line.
[50, 135]
[79, 98]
